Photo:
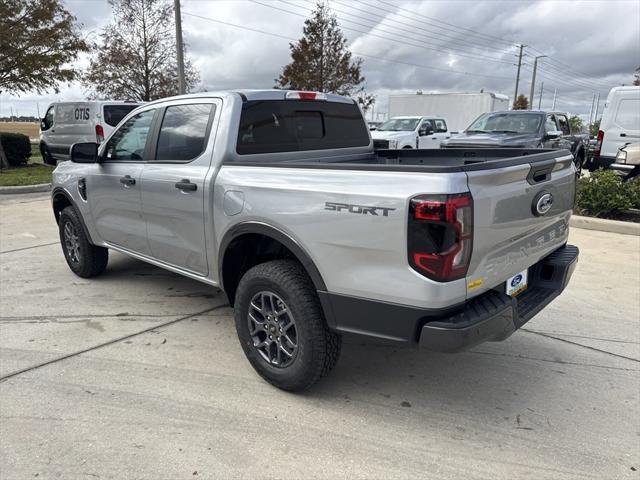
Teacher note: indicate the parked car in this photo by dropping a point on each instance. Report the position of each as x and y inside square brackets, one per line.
[66, 123]
[459, 109]
[523, 129]
[628, 161]
[279, 199]
[620, 124]
[411, 132]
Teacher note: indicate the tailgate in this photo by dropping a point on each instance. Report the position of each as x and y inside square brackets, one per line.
[512, 230]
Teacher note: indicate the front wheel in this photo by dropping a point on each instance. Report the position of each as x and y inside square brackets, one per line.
[47, 158]
[281, 326]
[84, 259]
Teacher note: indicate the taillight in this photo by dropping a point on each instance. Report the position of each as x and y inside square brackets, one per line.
[99, 134]
[440, 236]
[598, 147]
[297, 95]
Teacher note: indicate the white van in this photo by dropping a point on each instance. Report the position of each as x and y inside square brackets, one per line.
[619, 126]
[66, 123]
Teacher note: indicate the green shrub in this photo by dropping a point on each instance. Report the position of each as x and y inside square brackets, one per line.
[17, 148]
[604, 194]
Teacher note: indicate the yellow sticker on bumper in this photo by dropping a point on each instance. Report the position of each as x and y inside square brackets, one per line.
[474, 283]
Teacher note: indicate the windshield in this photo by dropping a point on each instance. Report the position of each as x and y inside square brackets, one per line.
[507, 123]
[399, 125]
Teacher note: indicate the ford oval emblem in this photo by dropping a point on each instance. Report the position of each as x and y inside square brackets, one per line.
[516, 280]
[542, 203]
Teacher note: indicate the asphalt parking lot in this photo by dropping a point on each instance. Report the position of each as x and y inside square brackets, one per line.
[138, 374]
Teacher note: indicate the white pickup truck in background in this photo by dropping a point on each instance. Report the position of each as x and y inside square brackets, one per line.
[411, 132]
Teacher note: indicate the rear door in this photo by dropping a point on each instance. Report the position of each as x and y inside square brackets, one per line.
[441, 130]
[173, 183]
[113, 189]
[510, 232]
[625, 123]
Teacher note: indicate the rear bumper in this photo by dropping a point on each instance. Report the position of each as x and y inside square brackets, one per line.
[600, 162]
[492, 316]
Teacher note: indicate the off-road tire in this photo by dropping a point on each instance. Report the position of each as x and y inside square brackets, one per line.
[318, 348]
[91, 260]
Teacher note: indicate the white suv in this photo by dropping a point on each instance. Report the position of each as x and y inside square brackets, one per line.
[66, 123]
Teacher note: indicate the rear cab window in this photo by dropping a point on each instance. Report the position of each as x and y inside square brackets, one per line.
[270, 126]
[113, 114]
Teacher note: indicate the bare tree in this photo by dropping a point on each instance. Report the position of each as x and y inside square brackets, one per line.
[135, 58]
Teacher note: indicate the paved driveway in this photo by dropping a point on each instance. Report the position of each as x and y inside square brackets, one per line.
[138, 374]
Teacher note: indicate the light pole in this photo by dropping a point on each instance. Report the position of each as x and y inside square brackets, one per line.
[533, 80]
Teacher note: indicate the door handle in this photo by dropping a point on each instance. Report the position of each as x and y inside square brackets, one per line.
[623, 134]
[185, 185]
[127, 180]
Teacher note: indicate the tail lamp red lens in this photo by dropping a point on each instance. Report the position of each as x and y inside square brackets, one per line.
[598, 147]
[99, 134]
[440, 236]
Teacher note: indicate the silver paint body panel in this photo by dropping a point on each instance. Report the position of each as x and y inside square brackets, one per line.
[361, 255]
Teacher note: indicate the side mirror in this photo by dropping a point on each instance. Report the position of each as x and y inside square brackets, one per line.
[84, 152]
[424, 131]
[553, 134]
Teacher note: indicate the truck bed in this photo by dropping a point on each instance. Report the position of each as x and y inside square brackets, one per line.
[434, 161]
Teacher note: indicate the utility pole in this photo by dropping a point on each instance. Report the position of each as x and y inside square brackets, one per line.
[593, 101]
[179, 48]
[555, 94]
[533, 80]
[515, 95]
[540, 99]
[595, 117]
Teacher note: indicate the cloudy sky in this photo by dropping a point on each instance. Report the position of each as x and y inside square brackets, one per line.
[433, 46]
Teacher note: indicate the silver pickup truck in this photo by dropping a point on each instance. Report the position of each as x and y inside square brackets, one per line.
[278, 198]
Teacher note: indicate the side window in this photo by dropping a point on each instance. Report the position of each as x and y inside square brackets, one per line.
[184, 132]
[48, 118]
[441, 126]
[128, 142]
[428, 124]
[563, 123]
[628, 114]
[550, 125]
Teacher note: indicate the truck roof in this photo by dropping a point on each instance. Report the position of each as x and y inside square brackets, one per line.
[258, 94]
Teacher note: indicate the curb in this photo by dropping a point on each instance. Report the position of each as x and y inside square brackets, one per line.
[43, 187]
[604, 225]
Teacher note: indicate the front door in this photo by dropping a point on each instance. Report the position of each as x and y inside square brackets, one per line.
[566, 140]
[427, 137]
[113, 191]
[550, 126]
[173, 184]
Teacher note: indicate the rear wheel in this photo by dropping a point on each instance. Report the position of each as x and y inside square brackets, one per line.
[84, 259]
[281, 326]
